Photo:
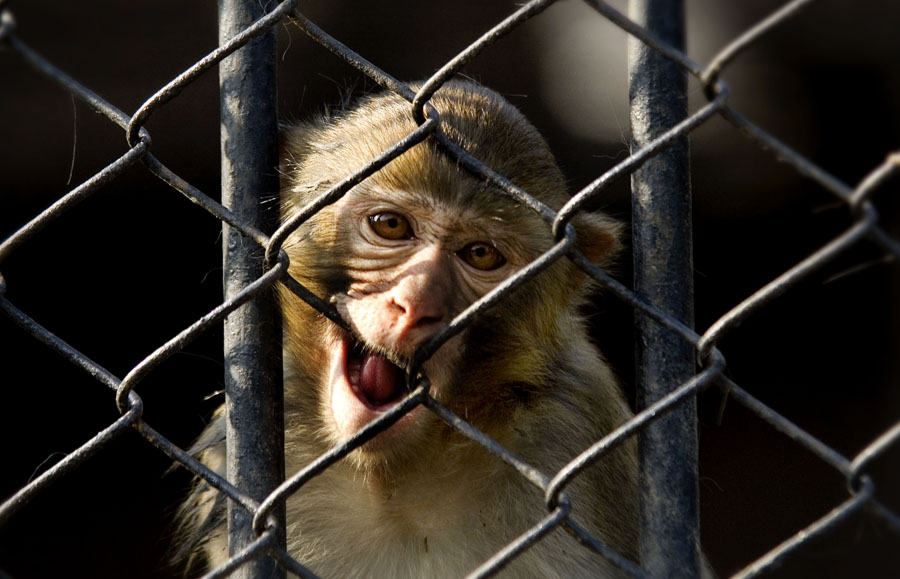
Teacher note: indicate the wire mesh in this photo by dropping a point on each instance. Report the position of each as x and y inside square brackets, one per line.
[860, 200]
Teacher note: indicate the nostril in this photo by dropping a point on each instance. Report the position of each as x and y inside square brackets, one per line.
[397, 306]
[424, 321]
[420, 317]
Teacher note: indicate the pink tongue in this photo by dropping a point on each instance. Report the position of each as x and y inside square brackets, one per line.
[380, 381]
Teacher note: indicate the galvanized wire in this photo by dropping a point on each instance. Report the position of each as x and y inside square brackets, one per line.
[860, 200]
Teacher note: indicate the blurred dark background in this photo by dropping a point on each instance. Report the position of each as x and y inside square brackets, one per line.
[135, 264]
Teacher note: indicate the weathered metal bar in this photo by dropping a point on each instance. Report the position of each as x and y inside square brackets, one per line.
[253, 377]
[661, 211]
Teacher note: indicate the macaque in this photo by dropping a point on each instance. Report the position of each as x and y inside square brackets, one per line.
[399, 256]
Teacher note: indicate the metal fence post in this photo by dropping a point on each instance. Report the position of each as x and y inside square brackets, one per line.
[661, 211]
[253, 377]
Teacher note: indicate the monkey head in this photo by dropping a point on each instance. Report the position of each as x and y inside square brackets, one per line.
[405, 251]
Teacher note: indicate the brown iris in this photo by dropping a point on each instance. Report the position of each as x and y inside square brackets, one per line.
[481, 255]
[391, 226]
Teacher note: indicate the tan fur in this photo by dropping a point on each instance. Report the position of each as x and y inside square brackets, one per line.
[422, 500]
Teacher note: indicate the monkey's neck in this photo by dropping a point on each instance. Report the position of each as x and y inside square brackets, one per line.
[422, 498]
[444, 459]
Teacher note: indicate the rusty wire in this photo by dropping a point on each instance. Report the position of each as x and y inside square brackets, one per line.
[866, 226]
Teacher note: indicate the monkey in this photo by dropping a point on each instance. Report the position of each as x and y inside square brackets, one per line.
[399, 256]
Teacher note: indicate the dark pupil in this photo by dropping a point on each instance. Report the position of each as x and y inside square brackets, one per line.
[480, 251]
[392, 222]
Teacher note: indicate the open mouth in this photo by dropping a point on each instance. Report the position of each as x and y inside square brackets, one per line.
[375, 380]
[364, 384]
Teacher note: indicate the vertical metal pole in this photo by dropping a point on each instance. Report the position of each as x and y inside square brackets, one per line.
[253, 380]
[661, 210]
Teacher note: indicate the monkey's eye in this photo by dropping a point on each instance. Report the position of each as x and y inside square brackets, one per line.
[391, 226]
[481, 255]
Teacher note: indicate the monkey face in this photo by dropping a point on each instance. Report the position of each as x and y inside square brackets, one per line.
[404, 252]
[412, 264]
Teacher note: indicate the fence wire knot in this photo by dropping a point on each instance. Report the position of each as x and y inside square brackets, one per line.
[867, 226]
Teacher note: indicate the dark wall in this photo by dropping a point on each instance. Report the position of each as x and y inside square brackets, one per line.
[135, 264]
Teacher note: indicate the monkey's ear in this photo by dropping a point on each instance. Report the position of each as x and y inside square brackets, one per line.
[598, 237]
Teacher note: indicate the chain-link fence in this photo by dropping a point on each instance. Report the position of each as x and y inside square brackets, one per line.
[137, 263]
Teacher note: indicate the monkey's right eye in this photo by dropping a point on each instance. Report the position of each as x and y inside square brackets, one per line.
[391, 226]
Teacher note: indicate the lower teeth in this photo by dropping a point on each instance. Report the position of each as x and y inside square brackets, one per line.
[354, 362]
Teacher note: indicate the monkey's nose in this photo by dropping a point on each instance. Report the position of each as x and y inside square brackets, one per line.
[419, 314]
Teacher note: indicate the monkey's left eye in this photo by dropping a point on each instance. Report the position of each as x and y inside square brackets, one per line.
[391, 226]
[481, 255]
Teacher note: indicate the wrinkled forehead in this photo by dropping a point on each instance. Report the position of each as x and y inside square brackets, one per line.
[487, 127]
[424, 176]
